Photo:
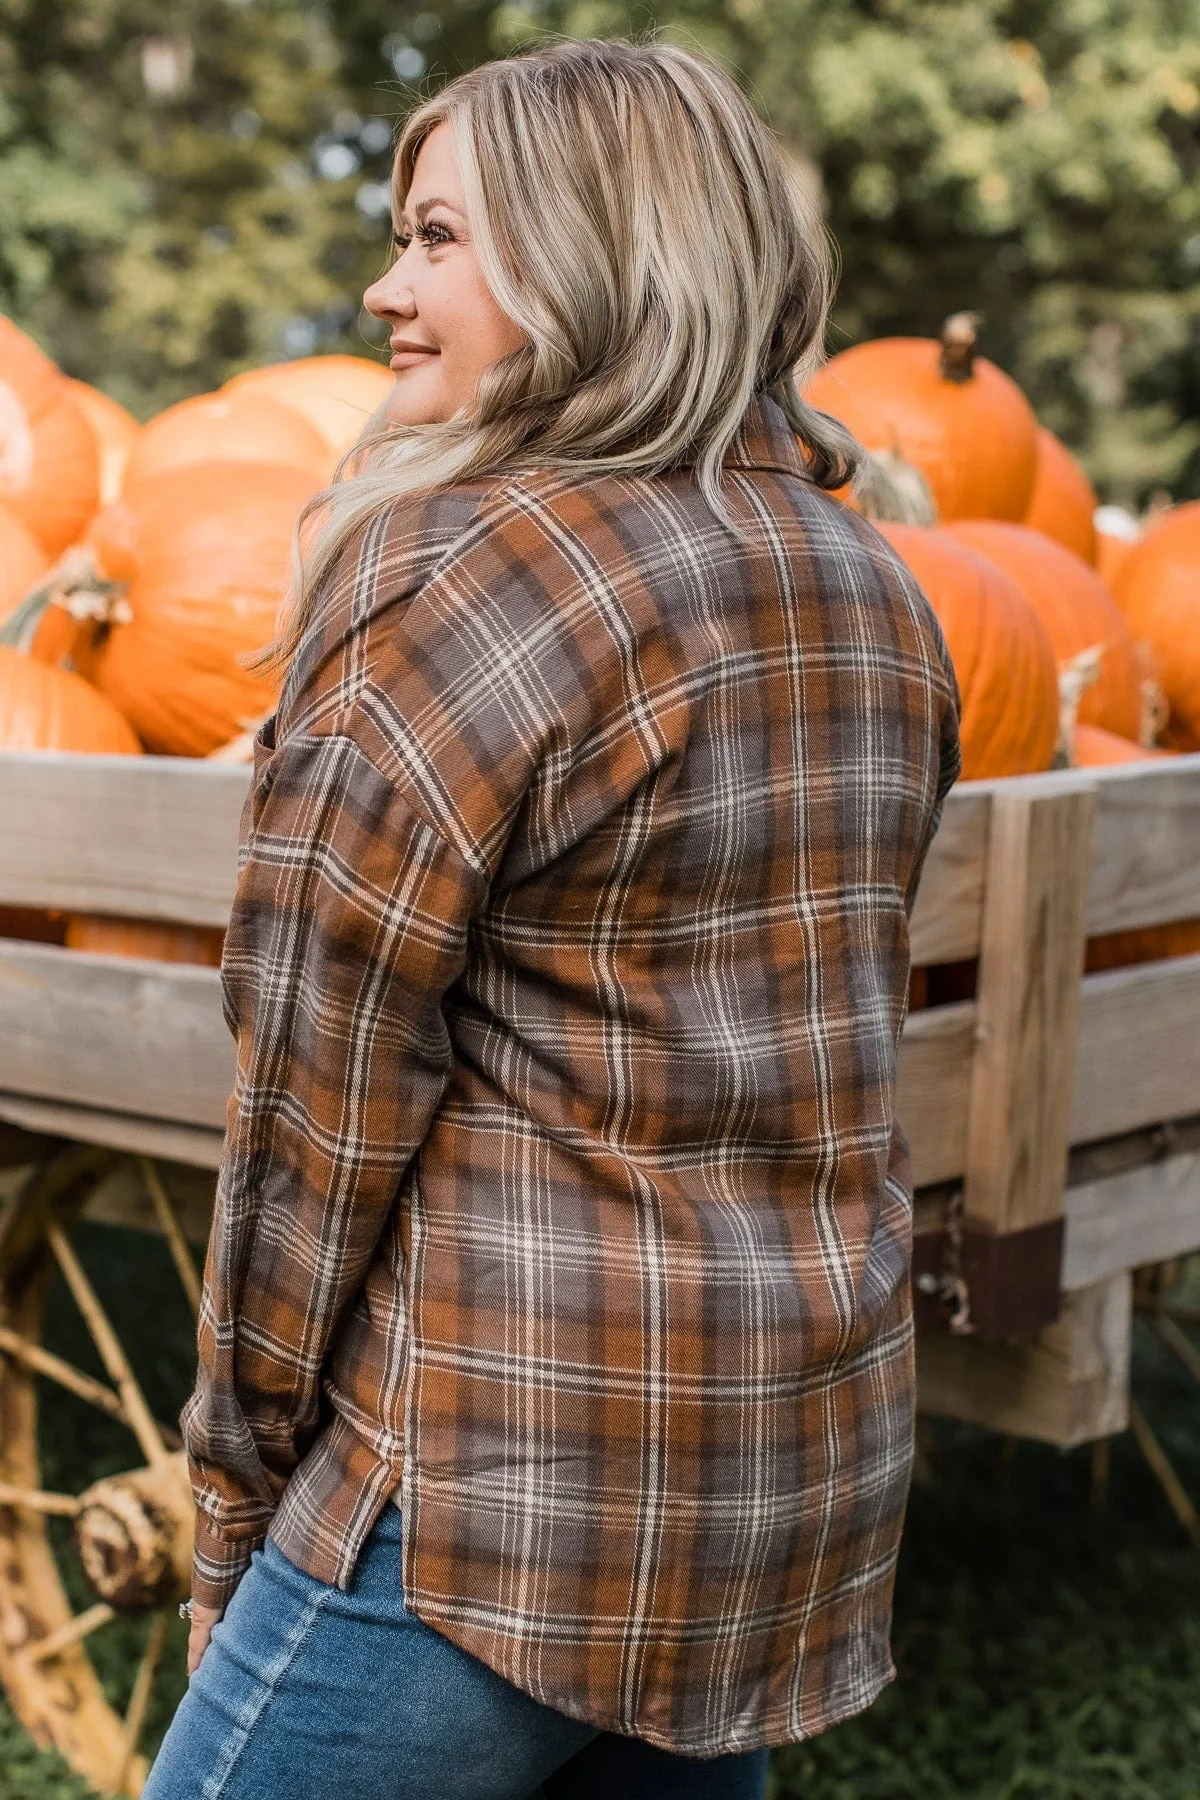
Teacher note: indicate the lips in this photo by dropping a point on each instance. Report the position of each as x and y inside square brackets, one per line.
[407, 355]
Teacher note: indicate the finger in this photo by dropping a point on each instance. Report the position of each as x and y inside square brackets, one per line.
[198, 1641]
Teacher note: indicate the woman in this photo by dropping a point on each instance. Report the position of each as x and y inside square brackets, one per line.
[562, 1200]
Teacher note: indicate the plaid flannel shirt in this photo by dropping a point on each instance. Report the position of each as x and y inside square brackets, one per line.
[562, 1197]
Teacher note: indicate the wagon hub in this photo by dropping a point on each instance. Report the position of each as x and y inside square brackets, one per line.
[134, 1535]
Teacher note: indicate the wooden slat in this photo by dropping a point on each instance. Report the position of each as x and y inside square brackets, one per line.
[1143, 1215]
[191, 1144]
[1064, 1385]
[1144, 868]
[934, 1070]
[1138, 1058]
[947, 917]
[1145, 865]
[114, 1033]
[149, 837]
[1029, 976]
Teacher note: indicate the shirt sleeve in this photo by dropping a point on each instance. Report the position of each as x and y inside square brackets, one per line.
[348, 926]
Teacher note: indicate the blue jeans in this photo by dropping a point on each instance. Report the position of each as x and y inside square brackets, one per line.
[308, 1693]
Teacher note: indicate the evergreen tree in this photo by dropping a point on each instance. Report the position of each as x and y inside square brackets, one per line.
[178, 187]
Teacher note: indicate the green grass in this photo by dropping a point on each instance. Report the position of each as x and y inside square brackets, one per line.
[1045, 1651]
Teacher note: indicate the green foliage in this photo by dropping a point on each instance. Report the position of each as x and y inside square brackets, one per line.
[164, 219]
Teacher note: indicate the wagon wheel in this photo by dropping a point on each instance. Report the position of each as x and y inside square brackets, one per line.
[124, 1544]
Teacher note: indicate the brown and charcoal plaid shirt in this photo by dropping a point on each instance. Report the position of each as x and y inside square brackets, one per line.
[562, 1189]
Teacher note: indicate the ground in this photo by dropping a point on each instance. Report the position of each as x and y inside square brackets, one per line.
[1047, 1650]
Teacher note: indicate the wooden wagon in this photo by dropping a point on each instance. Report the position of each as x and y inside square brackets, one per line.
[1054, 1119]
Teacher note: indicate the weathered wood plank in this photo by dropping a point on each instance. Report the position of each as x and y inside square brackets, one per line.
[948, 914]
[1031, 958]
[1143, 1215]
[1138, 1053]
[191, 1144]
[1145, 865]
[1063, 1385]
[144, 837]
[114, 1033]
[934, 1076]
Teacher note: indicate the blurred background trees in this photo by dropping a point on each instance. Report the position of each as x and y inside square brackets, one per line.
[193, 186]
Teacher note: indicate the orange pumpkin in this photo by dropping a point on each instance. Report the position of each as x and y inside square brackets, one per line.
[1094, 748]
[43, 708]
[115, 431]
[957, 417]
[1077, 610]
[232, 427]
[23, 562]
[1158, 589]
[336, 394]
[208, 549]
[1063, 502]
[49, 464]
[104, 936]
[1000, 649]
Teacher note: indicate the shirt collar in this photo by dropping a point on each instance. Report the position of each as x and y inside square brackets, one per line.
[765, 440]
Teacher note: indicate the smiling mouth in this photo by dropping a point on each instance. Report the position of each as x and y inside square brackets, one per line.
[408, 356]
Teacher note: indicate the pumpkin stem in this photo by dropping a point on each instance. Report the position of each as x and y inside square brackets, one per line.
[1074, 675]
[1155, 707]
[960, 341]
[75, 586]
[888, 488]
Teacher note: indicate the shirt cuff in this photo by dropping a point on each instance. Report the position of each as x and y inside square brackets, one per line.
[219, 1562]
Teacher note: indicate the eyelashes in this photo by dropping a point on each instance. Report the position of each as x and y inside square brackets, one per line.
[432, 236]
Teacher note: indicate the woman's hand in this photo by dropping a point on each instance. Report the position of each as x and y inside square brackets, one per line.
[203, 1620]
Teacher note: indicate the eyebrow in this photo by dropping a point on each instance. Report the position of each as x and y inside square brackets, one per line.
[425, 207]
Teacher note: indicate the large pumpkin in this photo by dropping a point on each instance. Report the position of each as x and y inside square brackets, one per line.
[245, 427]
[44, 708]
[1157, 588]
[336, 394]
[49, 464]
[115, 431]
[1077, 610]
[1063, 502]
[206, 558]
[23, 562]
[1000, 649]
[1094, 748]
[953, 414]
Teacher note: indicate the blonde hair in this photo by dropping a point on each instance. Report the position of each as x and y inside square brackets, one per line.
[638, 221]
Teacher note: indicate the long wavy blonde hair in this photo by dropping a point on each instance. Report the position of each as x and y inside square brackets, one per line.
[638, 221]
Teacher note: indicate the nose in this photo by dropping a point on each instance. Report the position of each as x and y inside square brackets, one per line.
[391, 297]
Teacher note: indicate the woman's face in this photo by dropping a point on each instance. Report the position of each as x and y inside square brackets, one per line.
[446, 328]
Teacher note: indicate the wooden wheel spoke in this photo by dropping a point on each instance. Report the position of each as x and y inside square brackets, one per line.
[73, 1632]
[139, 1699]
[37, 1500]
[1178, 1498]
[168, 1219]
[44, 1362]
[1165, 1328]
[137, 1414]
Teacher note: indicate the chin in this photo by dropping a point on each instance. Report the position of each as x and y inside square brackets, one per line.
[408, 406]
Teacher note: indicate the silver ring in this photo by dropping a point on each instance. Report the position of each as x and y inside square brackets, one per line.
[185, 1610]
